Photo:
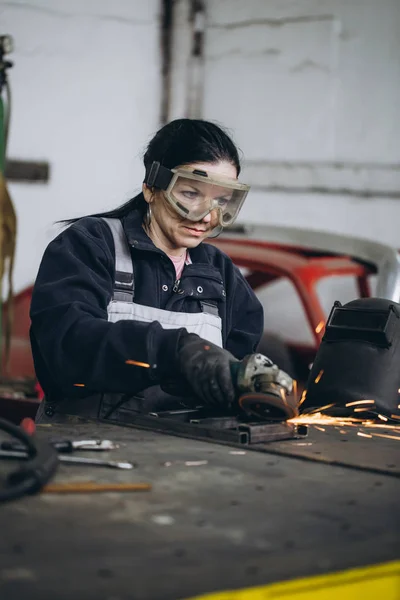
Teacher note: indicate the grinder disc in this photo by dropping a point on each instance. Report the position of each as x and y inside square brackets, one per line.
[269, 406]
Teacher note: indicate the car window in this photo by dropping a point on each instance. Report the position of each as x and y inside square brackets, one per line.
[344, 289]
[283, 312]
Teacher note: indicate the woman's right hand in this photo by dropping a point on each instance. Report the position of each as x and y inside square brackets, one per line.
[206, 370]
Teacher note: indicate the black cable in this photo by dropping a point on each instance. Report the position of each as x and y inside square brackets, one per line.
[33, 475]
[20, 434]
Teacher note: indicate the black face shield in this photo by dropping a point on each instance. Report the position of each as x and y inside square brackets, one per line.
[357, 366]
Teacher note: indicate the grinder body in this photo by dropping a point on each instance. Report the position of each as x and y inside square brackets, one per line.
[263, 390]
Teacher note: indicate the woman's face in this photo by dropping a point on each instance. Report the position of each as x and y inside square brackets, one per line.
[173, 233]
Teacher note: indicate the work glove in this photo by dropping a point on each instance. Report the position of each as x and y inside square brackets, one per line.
[205, 370]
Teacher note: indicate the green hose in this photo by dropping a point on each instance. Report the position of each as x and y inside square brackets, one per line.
[2, 167]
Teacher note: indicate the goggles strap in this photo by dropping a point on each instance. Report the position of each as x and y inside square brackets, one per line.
[158, 176]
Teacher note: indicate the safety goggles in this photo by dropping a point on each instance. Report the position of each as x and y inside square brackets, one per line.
[194, 194]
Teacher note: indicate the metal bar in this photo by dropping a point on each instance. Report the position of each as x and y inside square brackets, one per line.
[179, 427]
[217, 422]
[227, 429]
[270, 432]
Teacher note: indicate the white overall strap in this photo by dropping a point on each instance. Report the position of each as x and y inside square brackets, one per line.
[124, 285]
[205, 324]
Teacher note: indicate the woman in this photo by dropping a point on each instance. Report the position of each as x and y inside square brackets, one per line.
[130, 304]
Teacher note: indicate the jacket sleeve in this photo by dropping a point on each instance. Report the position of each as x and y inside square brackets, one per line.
[247, 319]
[70, 331]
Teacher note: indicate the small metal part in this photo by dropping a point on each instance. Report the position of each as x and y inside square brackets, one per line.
[95, 462]
[94, 445]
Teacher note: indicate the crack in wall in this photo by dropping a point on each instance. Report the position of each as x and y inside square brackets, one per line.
[330, 164]
[268, 52]
[273, 22]
[60, 14]
[326, 191]
[307, 65]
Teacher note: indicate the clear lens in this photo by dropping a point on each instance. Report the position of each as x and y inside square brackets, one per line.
[194, 199]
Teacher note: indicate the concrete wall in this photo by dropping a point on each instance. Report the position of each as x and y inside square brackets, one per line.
[86, 97]
[311, 92]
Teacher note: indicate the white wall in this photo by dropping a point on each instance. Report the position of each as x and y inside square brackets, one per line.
[311, 92]
[86, 97]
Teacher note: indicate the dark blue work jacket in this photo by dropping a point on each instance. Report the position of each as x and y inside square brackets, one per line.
[77, 351]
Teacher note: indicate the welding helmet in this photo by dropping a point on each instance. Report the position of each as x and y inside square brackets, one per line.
[357, 366]
[193, 194]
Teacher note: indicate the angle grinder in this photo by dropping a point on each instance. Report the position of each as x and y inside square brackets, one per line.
[264, 391]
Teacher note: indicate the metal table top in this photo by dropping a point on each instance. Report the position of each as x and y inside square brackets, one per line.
[217, 517]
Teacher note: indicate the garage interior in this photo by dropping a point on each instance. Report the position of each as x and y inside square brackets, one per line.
[301, 505]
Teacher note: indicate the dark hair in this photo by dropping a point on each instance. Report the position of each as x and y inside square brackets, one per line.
[180, 142]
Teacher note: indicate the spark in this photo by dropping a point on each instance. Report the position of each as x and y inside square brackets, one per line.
[318, 377]
[382, 418]
[319, 327]
[389, 437]
[367, 435]
[137, 363]
[320, 419]
[395, 417]
[303, 397]
[323, 420]
[79, 385]
[342, 431]
[360, 402]
[382, 426]
[328, 406]
[320, 428]
[360, 409]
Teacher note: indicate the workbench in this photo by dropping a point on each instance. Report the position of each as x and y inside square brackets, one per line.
[217, 517]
